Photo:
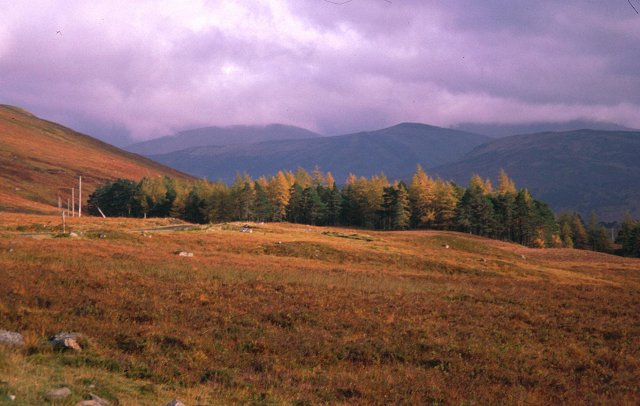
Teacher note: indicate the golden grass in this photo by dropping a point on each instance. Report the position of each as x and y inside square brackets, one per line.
[302, 315]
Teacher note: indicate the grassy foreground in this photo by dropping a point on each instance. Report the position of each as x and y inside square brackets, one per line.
[306, 315]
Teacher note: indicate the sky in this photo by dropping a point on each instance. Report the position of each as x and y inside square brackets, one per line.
[133, 70]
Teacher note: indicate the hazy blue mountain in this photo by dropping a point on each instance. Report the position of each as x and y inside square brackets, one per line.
[239, 134]
[395, 151]
[496, 130]
[580, 170]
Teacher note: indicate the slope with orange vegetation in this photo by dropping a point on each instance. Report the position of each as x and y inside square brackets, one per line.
[307, 315]
[40, 160]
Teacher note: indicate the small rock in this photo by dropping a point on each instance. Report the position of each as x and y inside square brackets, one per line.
[66, 341]
[10, 249]
[72, 234]
[58, 394]
[185, 254]
[446, 246]
[99, 401]
[523, 257]
[12, 397]
[103, 236]
[483, 259]
[94, 401]
[175, 402]
[11, 338]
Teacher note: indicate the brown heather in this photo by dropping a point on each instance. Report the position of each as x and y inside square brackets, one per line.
[40, 160]
[309, 315]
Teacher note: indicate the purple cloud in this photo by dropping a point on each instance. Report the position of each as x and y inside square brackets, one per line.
[144, 69]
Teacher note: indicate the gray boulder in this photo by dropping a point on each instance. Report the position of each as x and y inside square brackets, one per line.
[58, 394]
[11, 338]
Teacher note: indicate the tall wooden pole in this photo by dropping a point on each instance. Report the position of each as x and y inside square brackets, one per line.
[80, 196]
[64, 228]
[73, 202]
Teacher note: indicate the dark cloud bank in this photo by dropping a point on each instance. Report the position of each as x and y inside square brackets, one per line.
[144, 69]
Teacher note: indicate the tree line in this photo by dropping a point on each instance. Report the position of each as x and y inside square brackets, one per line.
[503, 212]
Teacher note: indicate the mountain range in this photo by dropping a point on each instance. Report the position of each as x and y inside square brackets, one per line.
[208, 136]
[497, 130]
[394, 151]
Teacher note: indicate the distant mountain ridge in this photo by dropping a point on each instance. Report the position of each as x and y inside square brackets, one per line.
[395, 151]
[41, 160]
[579, 170]
[497, 130]
[220, 136]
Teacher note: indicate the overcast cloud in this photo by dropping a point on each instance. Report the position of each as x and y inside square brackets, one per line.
[149, 68]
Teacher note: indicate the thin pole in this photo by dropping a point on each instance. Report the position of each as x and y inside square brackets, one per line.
[64, 228]
[80, 196]
[59, 203]
[73, 202]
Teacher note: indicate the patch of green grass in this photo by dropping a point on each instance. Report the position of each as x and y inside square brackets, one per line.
[109, 235]
[305, 249]
[354, 236]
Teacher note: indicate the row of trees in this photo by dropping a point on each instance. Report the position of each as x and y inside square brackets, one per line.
[503, 212]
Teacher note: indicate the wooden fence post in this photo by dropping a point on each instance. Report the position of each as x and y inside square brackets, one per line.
[80, 196]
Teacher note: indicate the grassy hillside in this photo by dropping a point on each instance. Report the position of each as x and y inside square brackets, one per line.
[239, 134]
[40, 159]
[577, 170]
[306, 315]
[395, 151]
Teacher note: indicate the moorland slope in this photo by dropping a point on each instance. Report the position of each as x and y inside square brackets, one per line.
[307, 315]
[40, 160]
